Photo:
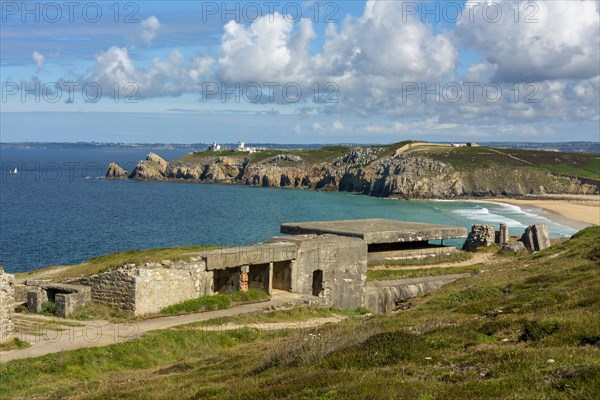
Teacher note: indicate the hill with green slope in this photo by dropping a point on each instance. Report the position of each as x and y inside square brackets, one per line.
[407, 169]
[527, 327]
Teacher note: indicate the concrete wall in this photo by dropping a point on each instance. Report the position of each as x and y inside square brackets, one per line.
[66, 303]
[66, 297]
[114, 289]
[159, 287]
[151, 287]
[383, 296]
[6, 306]
[343, 261]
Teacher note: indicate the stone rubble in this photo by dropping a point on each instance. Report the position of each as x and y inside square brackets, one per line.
[6, 306]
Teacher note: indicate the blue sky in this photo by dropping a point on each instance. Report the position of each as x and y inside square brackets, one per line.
[300, 71]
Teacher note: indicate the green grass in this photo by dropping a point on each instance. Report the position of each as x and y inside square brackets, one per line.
[570, 164]
[14, 344]
[92, 310]
[490, 336]
[113, 261]
[391, 274]
[201, 304]
[216, 302]
[48, 307]
[323, 154]
[39, 327]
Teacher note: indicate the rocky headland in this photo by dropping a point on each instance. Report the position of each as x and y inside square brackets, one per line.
[401, 170]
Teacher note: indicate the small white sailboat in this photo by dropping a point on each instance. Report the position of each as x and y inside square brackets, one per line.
[12, 171]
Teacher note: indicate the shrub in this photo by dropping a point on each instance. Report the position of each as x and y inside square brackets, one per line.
[48, 307]
[14, 344]
[92, 310]
[204, 303]
[536, 330]
[379, 350]
[21, 309]
[250, 296]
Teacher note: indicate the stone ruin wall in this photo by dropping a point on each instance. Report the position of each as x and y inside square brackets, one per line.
[6, 306]
[158, 286]
[151, 287]
[114, 289]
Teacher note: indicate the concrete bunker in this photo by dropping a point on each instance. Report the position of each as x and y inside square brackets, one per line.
[387, 239]
[317, 283]
[261, 266]
[258, 277]
[324, 260]
[65, 297]
[282, 275]
[226, 280]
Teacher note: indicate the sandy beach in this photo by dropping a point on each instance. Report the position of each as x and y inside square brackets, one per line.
[582, 212]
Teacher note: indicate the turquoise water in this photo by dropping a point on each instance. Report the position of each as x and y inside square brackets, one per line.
[60, 210]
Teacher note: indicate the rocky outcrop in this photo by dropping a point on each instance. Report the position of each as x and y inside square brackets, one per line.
[285, 157]
[367, 170]
[114, 171]
[480, 236]
[152, 168]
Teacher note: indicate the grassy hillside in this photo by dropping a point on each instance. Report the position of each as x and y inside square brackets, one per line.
[113, 261]
[323, 154]
[569, 164]
[528, 327]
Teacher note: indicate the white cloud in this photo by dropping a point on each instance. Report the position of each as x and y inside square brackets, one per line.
[371, 57]
[39, 60]
[165, 77]
[266, 51]
[551, 40]
[149, 28]
[337, 125]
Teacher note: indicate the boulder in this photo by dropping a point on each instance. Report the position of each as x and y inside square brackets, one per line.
[480, 236]
[114, 171]
[515, 247]
[535, 237]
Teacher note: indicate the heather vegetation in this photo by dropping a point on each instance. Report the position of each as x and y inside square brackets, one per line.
[526, 327]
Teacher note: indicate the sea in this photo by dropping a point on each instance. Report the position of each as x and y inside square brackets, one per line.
[58, 209]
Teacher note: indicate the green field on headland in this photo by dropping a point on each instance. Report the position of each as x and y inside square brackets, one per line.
[527, 327]
[110, 262]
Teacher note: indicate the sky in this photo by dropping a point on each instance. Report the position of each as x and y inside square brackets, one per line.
[300, 71]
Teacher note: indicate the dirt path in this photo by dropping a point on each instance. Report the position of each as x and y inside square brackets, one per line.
[511, 156]
[274, 326]
[102, 333]
[478, 258]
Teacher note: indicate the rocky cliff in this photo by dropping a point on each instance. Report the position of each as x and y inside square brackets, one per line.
[369, 170]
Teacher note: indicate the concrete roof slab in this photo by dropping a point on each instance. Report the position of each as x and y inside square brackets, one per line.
[377, 230]
[262, 253]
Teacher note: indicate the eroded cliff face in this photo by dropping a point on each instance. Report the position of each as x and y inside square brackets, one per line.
[153, 168]
[363, 171]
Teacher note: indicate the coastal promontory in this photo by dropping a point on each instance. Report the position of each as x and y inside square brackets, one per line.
[407, 169]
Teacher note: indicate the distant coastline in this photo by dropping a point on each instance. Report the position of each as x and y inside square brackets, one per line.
[576, 146]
